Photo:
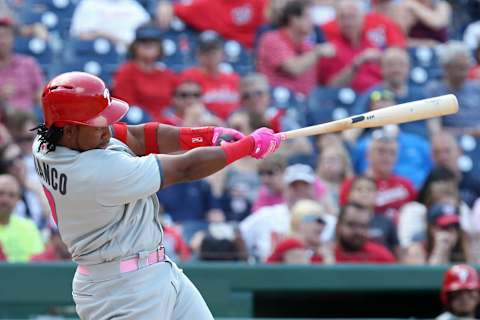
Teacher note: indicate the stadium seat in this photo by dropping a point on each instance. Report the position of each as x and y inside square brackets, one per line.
[100, 50]
[95, 67]
[327, 104]
[425, 64]
[238, 57]
[136, 115]
[468, 162]
[38, 48]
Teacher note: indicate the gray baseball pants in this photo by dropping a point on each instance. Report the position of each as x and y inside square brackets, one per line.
[159, 291]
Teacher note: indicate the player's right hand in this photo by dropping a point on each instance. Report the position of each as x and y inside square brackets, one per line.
[266, 142]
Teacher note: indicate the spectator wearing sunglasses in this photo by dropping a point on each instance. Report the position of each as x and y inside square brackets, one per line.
[187, 108]
[32, 203]
[142, 81]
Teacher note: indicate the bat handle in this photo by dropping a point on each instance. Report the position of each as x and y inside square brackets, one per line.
[283, 136]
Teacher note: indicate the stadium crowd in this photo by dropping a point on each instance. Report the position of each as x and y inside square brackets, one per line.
[399, 194]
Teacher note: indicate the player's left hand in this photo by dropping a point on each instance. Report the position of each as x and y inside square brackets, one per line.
[222, 135]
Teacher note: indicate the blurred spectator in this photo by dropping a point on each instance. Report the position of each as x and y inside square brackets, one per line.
[460, 293]
[382, 230]
[413, 161]
[358, 39]
[352, 244]
[446, 152]
[304, 243]
[174, 243]
[333, 167]
[21, 79]
[142, 81]
[38, 30]
[271, 172]
[192, 201]
[474, 73]
[269, 225]
[393, 10]
[20, 124]
[221, 242]
[164, 15]
[220, 89]
[393, 191]
[33, 203]
[439, 187]
[394, 89]
[274, 11]
[19, 237]
[427, 21]
[286, 56]
[445, 241]
[55, 250]
[115, 20]
[255, 98]
[234, 19]
[456, 61]
[187, 109]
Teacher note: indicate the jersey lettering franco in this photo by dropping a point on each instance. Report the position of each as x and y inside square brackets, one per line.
[103, 200]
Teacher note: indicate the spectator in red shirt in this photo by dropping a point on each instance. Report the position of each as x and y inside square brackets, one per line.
[358, 39]
[286, 56]
[187, 109]
[21, 79]
[352, 244]
[233, 19]
[392, 191]
[220, 89]
[55, 250]
[142, 81]
[175, 244]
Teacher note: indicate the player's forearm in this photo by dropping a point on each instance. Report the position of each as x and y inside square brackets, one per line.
[202, 162]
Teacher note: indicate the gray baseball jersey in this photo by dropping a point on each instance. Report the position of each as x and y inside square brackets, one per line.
[106, 209]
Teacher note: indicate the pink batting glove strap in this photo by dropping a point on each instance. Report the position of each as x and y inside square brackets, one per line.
[266, 142]
[226, 134]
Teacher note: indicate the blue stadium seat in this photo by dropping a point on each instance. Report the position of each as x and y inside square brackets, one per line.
[136, 115]
[239, 57]
[424, 60]
[95, 67]
[180, 45]
[100, 50]
[38, 48]
[470, 160]
[327, 104]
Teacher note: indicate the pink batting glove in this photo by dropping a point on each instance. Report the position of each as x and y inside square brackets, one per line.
[266, 142]
[221, 135]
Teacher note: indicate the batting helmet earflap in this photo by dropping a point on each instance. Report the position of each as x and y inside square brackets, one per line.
[80, 98]
[459, 277]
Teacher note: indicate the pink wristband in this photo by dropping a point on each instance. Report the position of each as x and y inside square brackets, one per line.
[239, 149]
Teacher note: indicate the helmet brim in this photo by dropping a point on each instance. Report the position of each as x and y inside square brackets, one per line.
[111, 114]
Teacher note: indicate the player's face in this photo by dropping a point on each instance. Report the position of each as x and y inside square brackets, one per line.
[88, 138]
[464, 302]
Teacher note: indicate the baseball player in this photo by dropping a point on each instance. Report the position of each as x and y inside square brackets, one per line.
[100, 178]
[460, 293]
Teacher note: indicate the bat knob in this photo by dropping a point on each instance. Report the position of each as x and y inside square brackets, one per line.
[283, 136]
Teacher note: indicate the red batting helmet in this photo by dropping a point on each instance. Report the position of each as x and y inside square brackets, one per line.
[80, 98]
[459, 277]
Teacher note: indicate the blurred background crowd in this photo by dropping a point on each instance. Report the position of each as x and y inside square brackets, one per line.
[398, 194]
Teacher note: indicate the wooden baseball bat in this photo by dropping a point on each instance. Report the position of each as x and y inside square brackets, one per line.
[400, 113]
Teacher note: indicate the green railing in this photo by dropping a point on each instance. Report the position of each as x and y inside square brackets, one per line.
[240, 290]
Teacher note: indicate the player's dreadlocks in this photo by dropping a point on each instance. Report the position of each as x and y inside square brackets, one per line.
[49, 136]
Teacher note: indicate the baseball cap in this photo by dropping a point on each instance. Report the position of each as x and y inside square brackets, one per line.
[306, 210]
[443, 215]
[298, 172]
[148, 32]
[209, 40]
